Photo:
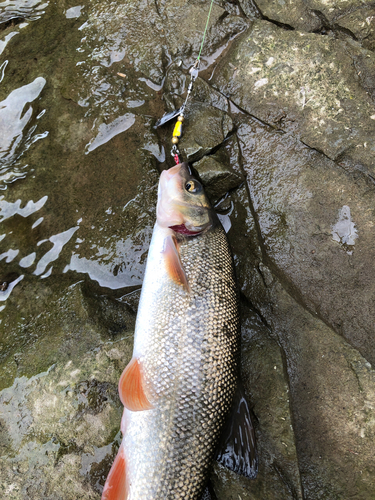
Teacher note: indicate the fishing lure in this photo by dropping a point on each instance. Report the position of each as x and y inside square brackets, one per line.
[177, 131]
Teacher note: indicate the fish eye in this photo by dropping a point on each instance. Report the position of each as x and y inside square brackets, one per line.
[193, 186]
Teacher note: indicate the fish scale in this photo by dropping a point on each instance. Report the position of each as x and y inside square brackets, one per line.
[189, 365]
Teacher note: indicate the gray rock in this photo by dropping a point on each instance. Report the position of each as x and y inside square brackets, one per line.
[297, 194]
[204, 93]
[295, 13]
[60, 415]
[361, 23]
[305, 84]
[250, 9]
[330, 424]
[354, 18]
[205, 128]
[220, 171]
[333, 432]
[190, 19]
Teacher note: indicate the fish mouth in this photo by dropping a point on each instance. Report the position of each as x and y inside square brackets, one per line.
[167, 175]
[169, 205]
[182, 229]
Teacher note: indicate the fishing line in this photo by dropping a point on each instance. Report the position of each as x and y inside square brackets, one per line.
[205, 30]
[194, 70]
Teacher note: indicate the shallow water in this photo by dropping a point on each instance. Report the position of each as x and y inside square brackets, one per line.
[79, 155]
[85, 205]
[81, 87]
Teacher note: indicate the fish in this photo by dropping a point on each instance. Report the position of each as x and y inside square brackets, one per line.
[180, 385]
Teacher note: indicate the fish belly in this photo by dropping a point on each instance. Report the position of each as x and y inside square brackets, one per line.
[187, 344]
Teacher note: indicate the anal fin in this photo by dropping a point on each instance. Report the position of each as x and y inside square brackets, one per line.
[238, 450]
[131, 387]
[173, 262]
[116, 487]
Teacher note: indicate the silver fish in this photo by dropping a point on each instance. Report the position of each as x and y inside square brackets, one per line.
[180, 384]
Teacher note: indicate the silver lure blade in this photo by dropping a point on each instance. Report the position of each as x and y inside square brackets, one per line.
[168, 116]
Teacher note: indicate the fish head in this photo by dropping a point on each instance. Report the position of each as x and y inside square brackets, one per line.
[182, 202]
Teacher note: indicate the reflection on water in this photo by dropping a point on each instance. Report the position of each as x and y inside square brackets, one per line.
[2, 70]
[58, 241]
[98, 97]
[107, 132]
[10, 209]
[5, 294]
[54, 242]
[17, 129]
[22, 9]
[9, 255]
[15, 114]
[3, 44]
[156, 150]
[151, 84]
[74, 12]
[28, 260]
[121, 265]
[18, 11]
[344, 230]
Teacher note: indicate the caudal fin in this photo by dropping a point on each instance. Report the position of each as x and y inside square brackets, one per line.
[115, 487]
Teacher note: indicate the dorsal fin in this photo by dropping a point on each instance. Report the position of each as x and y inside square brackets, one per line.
[116, 487]
[130, 387]
[173, 262]
[238, 447]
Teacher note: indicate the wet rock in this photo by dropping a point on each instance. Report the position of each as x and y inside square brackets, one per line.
[216, 177]
[361, 23]
[332, 427]
[296, 14]
[330, 424]
[204, 93]
[297, 195]
[364, 63]
[51, 331]
[60, 415]
[206, 128]
[220, 171]
[336, 7]
[190, 18]
[250, 9]
[353, 18]
[300, 83]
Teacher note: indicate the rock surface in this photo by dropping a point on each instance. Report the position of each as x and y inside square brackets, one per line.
[302, 83]
[281, 130]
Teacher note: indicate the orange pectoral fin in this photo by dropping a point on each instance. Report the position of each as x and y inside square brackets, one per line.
[130, 387]
[173, 262]
[115, 487]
